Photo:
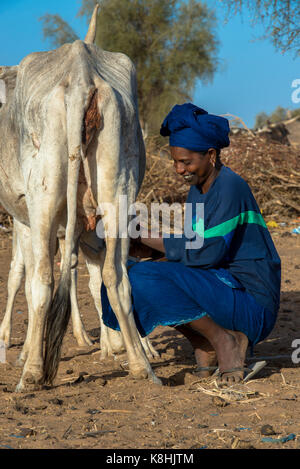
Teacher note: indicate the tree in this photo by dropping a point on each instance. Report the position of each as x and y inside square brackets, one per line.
[57, 30]
[281, 19]
[172, 44]
[280, 114]
[295, 113]
[261, 120]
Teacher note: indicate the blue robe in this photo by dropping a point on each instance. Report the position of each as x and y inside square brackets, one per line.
[234, 277]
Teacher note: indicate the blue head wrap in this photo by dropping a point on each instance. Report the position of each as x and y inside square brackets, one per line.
[190, 127]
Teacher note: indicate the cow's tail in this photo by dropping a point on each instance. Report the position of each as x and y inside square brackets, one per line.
[58, 315]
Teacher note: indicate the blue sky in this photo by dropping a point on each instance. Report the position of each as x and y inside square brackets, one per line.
[253, 76]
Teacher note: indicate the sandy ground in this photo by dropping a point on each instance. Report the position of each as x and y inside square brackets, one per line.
[105, 408]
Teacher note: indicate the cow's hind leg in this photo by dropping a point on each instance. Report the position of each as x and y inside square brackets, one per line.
[111, 342]
[14, 282]
[116, 280]
[24, 239]
[42, 238]
[79, 331]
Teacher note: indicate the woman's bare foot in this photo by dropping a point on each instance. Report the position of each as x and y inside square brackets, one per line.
[205, 355]
[233, 348]
[230, 347]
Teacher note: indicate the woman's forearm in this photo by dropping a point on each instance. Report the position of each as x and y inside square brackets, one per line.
[154, 243]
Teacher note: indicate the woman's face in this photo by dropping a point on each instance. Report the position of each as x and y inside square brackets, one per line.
[194, 167]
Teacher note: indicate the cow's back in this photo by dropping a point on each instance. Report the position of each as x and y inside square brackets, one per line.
[75, 65]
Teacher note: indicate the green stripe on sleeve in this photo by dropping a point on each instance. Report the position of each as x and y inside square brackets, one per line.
[199, 227]
[230, 225]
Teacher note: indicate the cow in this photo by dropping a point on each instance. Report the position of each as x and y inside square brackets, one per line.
[71, 110]
[111, 342]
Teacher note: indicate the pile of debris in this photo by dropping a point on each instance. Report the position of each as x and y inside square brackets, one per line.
[271, 169]
[286, 132]
[273, 172]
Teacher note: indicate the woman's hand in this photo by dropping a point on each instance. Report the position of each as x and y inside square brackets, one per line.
[154, 243]
[146, 246]
[137, 249]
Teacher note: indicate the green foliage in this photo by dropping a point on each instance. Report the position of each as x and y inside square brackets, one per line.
[281, 19]
[172, 44]
[295, 113]
[261, 120]
[278, 115]
[55, 28]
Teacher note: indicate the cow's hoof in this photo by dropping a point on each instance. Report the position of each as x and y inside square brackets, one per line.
[139, 374]
[149, 349]
[29, 382]
[108, 354]
[155, 379]
[28, 387]
[104, 354]
[83, 341]
[5, 339]
[152, 354]
[145, 374]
